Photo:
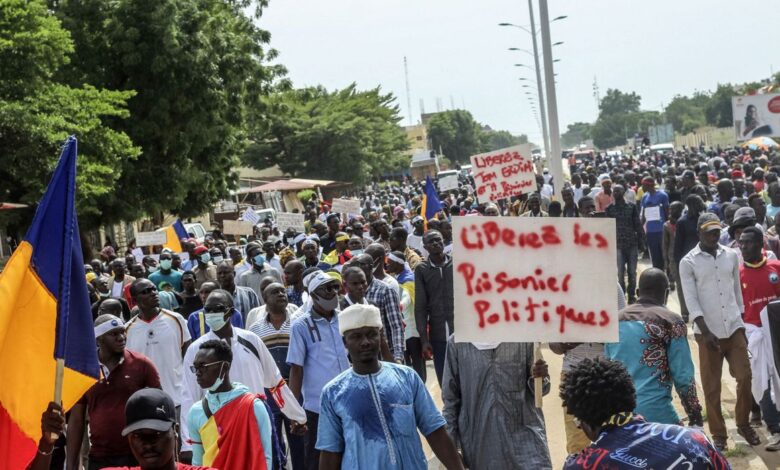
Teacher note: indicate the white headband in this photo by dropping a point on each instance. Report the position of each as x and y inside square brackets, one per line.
[109, 325]
[398, 260]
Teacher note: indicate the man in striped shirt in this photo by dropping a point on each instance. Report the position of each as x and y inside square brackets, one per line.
[273, 328]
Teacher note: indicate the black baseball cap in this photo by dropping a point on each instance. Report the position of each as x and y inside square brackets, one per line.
[149, 408]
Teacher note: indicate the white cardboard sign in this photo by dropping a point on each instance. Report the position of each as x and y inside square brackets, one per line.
[520, 279]
[346, 206]
[503, 173]
[448, 182]
[237, 227]
[286, 220]
[151, 238]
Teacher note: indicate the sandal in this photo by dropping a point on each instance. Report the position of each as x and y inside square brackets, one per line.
[750, 435]
[721, 443]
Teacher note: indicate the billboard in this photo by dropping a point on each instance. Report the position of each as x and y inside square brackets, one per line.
[756, 116]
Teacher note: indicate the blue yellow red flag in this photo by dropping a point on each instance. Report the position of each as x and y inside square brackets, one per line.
[175, 234]
[45, 315]
[430, 202]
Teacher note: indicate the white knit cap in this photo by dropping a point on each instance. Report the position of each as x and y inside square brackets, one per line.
[357, 316]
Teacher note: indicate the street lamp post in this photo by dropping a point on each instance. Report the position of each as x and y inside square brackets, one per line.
[556, 164]
[545, 132]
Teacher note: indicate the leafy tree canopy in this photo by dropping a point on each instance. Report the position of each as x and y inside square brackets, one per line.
[199, 69]
[37, 113]
[346, 135]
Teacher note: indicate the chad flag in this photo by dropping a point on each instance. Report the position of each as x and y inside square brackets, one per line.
[175, 233]
[45, 316]
[430, 201]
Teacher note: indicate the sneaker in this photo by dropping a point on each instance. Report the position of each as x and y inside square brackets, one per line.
[774, 443]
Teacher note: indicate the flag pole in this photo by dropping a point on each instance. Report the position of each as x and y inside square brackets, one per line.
[538, 381]
[59, 372]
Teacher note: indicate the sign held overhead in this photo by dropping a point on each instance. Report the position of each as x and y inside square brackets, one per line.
[287, 220]
[151, 238]
[237, 227]
[534, 279]
[346, 206]
[503, 173]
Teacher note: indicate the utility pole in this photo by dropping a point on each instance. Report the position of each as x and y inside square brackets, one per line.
[540, 91]
[408, 93]
[555, 162]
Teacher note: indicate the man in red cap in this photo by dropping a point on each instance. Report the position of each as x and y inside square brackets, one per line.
[205, 269]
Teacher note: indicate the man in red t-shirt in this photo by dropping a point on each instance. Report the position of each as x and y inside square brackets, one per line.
[760, 279]
[151, 431]
[124, 372]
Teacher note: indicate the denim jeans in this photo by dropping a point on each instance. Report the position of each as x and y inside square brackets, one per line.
[769, 413]
[654, 241]
[626, 261]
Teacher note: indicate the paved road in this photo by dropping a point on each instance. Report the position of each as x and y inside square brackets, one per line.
[741, 456]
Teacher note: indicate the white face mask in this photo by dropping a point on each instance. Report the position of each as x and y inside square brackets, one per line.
[215, 321]
[218, 259]
[217, 383]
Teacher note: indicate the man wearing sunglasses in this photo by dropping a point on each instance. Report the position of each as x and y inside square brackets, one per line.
[124, 373]
[252, 364]
[230, 427]
[159, 334]
[316, 354]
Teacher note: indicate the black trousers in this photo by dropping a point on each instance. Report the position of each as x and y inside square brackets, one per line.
[414, 358]
[310, 441]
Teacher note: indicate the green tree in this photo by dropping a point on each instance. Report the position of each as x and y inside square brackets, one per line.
[456, 133]
[37, 113]
[687, 113]
[346, 135]
[718, 110]
[576, 133]
[494, 140]
[620, 117]
[616, 102]
[200, 69]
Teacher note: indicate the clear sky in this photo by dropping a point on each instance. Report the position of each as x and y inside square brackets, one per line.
[458, 54]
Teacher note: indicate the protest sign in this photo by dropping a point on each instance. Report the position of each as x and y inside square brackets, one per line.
[503, 173]
[151, 238]
[237, 227]
[287, 220]
[138, 254]
[346, 206]
[519, 279]
[448, 182]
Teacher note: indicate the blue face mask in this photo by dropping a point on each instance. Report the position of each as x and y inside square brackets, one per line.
[356, 253]
[205, 258]
[259, 260]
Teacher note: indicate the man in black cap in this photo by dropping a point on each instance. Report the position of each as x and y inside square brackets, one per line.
[151, 431]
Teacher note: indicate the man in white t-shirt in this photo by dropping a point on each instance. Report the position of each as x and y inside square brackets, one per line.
[414, 240]
[159, 334]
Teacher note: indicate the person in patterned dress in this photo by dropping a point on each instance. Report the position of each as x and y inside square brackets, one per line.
[654, 349]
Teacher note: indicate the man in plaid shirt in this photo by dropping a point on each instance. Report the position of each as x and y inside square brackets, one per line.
[389, 303]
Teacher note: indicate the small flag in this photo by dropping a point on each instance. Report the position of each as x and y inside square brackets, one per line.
[430, 201]
[45, 316]
[175, 233]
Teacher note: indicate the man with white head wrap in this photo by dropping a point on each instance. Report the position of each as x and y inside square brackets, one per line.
[316, 353]
[371, 414]
[123, 373]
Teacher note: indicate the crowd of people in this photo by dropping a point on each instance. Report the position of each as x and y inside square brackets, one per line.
[308, 349]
